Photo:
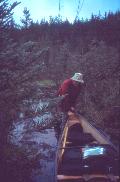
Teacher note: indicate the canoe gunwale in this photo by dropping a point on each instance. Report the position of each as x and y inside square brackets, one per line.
[88, 177]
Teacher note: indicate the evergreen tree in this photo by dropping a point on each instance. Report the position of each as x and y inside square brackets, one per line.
[6, 12]
[26, 21]
[6, 21]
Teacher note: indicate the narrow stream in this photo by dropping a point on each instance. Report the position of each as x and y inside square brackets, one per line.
[38, 144]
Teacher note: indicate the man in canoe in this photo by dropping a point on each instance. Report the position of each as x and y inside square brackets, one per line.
[70, 88]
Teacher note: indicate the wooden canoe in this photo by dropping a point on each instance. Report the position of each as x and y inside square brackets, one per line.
[85, 154]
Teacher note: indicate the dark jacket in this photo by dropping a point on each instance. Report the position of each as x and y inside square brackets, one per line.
[67, 87]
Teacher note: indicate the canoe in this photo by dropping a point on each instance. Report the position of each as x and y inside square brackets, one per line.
[85, 154]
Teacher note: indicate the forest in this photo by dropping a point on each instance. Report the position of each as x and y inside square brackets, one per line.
[37, 56]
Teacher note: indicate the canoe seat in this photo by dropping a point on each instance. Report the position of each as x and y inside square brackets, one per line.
[76, 136]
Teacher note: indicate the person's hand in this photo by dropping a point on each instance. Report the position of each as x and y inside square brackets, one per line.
[64, 95]
[72, 109]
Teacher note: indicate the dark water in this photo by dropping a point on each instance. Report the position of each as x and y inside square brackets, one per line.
[38, 144]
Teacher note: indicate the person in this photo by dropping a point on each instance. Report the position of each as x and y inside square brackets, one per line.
[70, 89]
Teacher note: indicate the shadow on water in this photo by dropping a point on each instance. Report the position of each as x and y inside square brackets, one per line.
[39, 145]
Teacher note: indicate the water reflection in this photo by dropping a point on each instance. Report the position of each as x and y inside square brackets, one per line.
[39, 144]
